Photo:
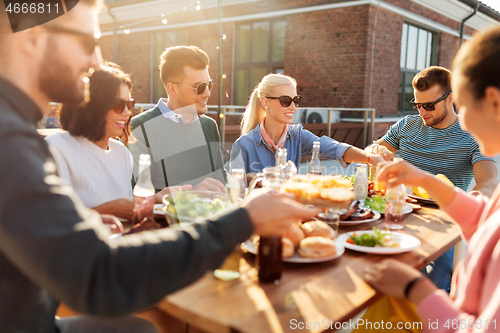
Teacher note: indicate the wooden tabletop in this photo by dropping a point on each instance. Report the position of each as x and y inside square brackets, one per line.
[315, 293]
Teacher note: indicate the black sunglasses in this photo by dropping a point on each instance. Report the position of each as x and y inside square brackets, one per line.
[285, 101]
[200, 88]
[427, 106]
[120, 104]
[88, 41]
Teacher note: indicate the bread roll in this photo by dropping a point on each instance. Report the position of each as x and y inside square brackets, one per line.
[317, 247]
[295, 234]
[317, 228]
[287, 247]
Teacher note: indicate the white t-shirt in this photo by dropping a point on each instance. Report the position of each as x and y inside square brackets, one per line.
[96, 175]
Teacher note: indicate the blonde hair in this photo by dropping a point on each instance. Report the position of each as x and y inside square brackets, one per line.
[254, 112]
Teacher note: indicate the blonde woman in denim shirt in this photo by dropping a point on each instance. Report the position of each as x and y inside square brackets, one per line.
[267, 126]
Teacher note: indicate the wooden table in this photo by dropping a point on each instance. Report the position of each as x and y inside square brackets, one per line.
[332, 291]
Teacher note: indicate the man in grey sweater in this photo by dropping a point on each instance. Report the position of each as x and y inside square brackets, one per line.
[53, 248]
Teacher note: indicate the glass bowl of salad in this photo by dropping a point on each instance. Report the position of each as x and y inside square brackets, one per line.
[194, 206]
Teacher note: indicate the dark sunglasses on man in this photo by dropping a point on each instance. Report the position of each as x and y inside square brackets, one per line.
[88, 41]
[427, 106]
[285, 101]
[200, 87]
[120, 104]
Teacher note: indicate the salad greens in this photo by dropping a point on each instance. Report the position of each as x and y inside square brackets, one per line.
[350, 178]
[188, 204]
[376, 202]
[371, 240]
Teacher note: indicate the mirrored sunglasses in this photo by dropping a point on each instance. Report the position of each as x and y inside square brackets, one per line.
[285, 101]
[427, 106]
[200, 88]
[120, 105]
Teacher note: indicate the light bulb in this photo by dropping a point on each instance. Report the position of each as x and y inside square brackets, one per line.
[164, 19]
[224, 36]
[198, 7]
[126, 30]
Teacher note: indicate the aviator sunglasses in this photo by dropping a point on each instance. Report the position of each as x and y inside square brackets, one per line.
[427, 106]
[285, 101]
[88, 41]
[200, 88]
[120, 104]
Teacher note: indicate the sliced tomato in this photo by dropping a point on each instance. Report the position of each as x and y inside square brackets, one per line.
[350, 241]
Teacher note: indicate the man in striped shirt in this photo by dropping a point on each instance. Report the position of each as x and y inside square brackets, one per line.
[434, 141]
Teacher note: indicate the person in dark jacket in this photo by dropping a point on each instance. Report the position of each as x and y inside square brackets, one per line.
[52, 248]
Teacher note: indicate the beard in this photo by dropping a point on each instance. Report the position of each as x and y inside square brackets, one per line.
[435, 121]
[56, 79]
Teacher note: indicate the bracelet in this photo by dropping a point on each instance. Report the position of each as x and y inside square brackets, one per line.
[411, 283]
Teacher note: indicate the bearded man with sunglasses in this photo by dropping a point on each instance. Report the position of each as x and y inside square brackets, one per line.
[434, 141]
[184, 144]
[52, 248]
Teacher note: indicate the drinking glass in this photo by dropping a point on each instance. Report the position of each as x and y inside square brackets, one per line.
[394, 209]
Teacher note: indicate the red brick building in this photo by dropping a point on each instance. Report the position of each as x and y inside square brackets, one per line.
[349, 54]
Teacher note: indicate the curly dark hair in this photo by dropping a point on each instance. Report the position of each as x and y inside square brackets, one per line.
[89, 120]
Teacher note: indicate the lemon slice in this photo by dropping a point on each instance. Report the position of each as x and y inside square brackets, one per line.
[420, 192]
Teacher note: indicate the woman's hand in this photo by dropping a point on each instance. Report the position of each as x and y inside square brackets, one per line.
[210, 184]
[392, 277]
[400, 172]
[171, 189]
[122, 207]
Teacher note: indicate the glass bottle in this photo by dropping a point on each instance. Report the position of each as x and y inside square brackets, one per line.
[372, 172]
[360, 186]
[281, 155]
[269, 259]
[144, 193]
[315, 164]
[236, 182]
[394, 208]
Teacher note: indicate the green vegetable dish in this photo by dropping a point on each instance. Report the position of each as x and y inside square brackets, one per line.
[193, 205]
[375, 239]
[376, 202]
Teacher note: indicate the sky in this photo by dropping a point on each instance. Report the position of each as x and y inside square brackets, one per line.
[495, 4]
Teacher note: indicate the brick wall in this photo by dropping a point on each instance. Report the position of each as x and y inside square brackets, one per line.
[329, 52]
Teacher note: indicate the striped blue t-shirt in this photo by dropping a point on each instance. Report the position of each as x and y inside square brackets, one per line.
[450, 151]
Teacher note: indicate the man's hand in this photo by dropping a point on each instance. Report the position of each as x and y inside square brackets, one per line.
[210, 184]
[171, 189]
[383, 152]
[272, 214]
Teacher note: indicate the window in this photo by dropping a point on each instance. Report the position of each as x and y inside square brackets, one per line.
[161, 41]
[260, 49]
[417, 52]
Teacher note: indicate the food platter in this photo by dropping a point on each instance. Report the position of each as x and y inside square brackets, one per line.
[158, 209]
[416, 197]
[249, 246]
[375, 217]
[407, 243]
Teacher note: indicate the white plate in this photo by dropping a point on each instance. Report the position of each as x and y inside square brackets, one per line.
[348, 222]
[424, 200]
[158, 209]
[250, 247]
[407, 243]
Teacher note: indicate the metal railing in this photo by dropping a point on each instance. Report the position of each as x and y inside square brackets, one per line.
[238, 110]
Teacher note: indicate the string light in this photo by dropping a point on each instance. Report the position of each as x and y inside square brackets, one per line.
[163, 18]
[224, 36]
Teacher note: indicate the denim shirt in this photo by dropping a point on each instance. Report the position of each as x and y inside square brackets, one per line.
[251, 153]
